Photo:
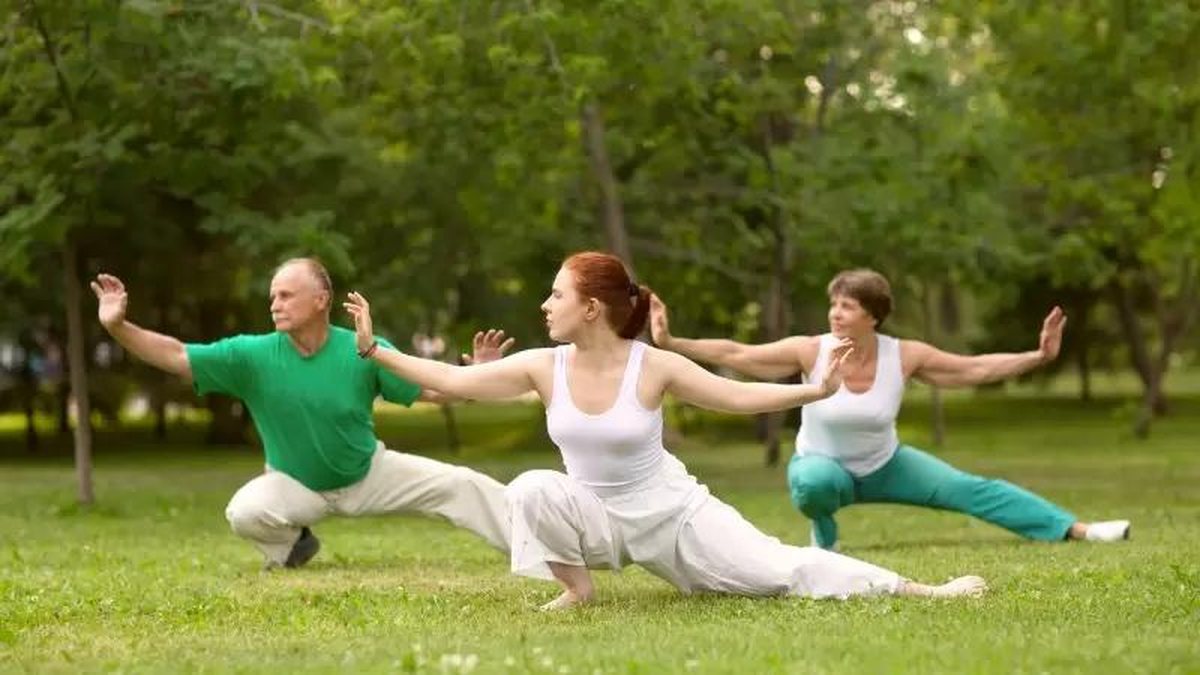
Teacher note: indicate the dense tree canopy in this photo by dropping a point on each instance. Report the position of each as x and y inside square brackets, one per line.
[993, 158]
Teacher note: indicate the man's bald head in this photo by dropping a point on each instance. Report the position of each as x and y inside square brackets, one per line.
[315, 269]
[301, 294]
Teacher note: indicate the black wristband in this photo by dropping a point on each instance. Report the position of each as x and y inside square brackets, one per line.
[369, 351]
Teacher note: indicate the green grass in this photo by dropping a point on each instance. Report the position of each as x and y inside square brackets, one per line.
[151, 580]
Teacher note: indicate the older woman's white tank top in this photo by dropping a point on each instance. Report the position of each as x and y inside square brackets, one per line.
[857, 430]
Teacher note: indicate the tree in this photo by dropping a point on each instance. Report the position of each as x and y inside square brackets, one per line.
[1108, 168]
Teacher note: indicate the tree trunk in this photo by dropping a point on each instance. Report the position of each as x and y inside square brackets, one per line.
[772, 422]
[776, 321]
[160, 382]
[774, 330]
[62, 397]
[778, 316]
[1083, 364]
[227, 421]
[228, 426]
[158, 402]
[1139, 352]
[613, 213]
[937, 410]
[77, 368]
[949, 312]
[452, 438]
[28, 392]
[1172, 326]
[1153, 400]
[76, 344]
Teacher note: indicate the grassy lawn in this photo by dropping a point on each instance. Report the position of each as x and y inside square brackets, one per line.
[151, 580]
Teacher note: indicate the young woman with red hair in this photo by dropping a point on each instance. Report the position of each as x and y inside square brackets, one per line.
[624, 498]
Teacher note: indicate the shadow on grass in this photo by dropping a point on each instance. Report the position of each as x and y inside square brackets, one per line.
[999, 541]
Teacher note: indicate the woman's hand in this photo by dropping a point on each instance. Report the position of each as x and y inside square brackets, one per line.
[832, 378]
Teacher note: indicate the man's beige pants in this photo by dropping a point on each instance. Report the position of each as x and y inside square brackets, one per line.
[271, 509]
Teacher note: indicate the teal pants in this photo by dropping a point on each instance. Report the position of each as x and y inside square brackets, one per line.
[820, 486]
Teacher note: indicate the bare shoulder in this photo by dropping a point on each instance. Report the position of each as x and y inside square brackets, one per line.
[661, 366]
[913, 354]
[806, 343]
[538, 366]
[807, 348]
[537, 362]
[540, 357]
[662, 360]
[914, 348]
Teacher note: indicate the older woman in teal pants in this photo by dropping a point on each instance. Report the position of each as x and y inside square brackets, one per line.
[847, 449]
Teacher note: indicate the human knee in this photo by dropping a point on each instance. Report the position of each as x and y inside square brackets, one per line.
[816, 488]
[244, 515]
[534, 485]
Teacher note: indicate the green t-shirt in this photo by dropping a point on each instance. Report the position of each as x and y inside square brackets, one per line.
[313, 413]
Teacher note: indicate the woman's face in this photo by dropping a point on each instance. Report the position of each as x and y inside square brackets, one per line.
[567, 312]
[848, 318]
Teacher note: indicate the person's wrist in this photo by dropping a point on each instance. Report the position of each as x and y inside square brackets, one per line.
[113, 326]
[368, 351]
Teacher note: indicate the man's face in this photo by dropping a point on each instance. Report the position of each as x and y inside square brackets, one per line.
[297, 298]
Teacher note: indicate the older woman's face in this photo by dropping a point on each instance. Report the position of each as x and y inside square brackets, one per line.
[848, 318]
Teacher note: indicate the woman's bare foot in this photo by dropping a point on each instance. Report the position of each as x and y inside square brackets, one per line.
[969, 586]
[962, 587]
[567, 600]
[577, 586]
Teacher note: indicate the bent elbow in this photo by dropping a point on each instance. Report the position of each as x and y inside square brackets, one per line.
[180, 366]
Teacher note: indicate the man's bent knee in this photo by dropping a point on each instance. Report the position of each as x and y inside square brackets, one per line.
[243, 519]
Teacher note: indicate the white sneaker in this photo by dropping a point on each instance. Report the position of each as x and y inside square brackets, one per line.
[1109, 530]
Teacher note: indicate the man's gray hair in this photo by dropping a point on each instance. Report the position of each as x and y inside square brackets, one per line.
[315, 268]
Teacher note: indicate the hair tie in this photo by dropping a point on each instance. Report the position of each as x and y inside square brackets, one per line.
[633, 290]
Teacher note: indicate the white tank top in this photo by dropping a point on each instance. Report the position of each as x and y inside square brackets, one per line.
[857, 430]
[615, 449]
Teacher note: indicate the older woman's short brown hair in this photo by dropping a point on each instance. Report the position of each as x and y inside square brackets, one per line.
[870, 288]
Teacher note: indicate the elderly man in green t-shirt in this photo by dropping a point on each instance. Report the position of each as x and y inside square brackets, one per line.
[311, 396]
